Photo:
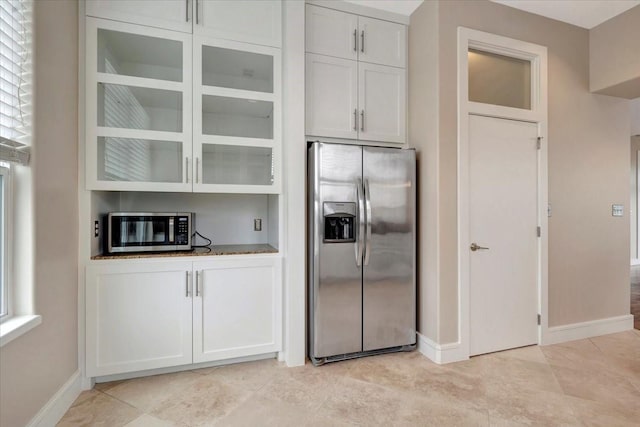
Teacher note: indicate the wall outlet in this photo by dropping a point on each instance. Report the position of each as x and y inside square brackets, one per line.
[617, 210]
[257, 224]
[96, 229]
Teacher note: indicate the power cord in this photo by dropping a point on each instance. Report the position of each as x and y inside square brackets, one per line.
[206, 246]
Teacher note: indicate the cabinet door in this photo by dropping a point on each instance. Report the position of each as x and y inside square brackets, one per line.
[167, 14]
[331, 97]
[330, 32]
[237, 120]
[382, 98]
[237, 308]
[382, 42]
[251, 21]
[138, 316]
[138, 108]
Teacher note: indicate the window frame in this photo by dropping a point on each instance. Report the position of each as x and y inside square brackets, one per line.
[16, 131]
[6, 239]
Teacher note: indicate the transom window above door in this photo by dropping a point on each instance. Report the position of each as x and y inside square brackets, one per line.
[499, 79]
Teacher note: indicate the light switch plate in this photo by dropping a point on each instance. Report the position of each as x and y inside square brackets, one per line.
[617, 210]
[257, 224]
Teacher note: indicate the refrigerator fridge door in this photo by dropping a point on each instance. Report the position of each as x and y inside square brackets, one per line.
[389, 289]
[335, 251]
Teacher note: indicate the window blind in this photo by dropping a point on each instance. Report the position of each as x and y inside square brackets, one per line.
[125, 159]
[15, 80]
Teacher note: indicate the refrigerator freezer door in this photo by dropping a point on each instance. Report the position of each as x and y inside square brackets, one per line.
[389, 290]
[335, 291]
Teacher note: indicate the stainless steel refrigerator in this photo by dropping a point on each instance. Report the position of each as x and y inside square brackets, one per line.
[362, 228]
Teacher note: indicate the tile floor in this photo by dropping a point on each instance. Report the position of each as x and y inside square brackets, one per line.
[594, 382]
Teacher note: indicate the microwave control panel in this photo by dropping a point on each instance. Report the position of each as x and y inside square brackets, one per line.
[182, 231]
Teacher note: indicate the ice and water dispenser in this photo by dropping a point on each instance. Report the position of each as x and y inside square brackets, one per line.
[339, 222]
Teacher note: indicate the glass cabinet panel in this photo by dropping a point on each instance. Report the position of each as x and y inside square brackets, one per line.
[133, 107]
[239, 165]
[237, 117]
[499, 80]
[139, 56]
[139, 160]
[237, 69]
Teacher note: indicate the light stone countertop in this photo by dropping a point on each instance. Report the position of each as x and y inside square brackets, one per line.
[215, 250]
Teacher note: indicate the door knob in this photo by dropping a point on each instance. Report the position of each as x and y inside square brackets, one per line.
[474, 247]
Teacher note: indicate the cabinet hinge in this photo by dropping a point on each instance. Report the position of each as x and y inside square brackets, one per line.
[539, 232]
[539, 319]
[539, 143]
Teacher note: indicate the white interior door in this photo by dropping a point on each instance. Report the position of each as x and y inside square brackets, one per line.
[503, 218]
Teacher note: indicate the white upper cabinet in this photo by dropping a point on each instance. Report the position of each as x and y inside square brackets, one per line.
[330, 32]
[356, 84]
[382, 42]
[168, 14]
[168, 111]
[237, 116]
[138, 107]
[382, 100]
[331, 97]
[344, 35]
[250, 21]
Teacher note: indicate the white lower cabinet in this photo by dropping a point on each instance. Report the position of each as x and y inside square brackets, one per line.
[148, 315]
[236, 309]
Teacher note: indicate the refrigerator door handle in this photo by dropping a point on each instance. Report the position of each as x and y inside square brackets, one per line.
[367, 199]
[361, 219]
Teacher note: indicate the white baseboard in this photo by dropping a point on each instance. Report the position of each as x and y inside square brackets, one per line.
[172, 369]
[441, 353]
[592, 328]
[59, 404]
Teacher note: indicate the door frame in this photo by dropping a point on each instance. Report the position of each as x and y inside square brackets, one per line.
[468, 38]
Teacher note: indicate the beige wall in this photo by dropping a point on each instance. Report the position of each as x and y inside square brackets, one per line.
[34, 366]
[423, 133]
[588, 165]
[615, 55]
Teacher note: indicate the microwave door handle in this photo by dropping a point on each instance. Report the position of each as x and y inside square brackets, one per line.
[171, 230]
[359, 245]
[367, 201]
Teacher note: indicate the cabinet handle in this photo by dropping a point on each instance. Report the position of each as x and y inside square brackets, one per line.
[197, 14]
[355, 119]
[197, 169]
[355, 40]
[186, 168]
[361, 41]
[362, 120]
[186, 3]
[197, 284]
[186, 284]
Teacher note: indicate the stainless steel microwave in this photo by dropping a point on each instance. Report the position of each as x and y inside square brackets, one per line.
[148, 231]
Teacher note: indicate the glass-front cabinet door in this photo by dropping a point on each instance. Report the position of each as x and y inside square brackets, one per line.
[236, 117]
[138, 108]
